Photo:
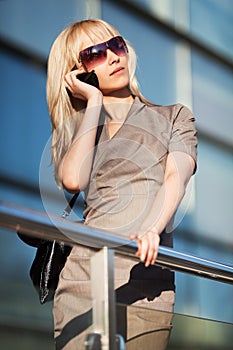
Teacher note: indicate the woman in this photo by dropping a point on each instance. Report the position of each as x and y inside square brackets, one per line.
[133, 159]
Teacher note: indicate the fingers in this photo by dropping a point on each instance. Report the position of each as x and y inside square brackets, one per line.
[77, 88]
[71, 77]
[149, 249]
[148, 245]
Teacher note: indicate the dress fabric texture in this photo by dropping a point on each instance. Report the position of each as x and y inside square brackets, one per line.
[128, 171]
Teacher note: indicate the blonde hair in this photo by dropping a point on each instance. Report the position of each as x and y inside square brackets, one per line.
[65, 111]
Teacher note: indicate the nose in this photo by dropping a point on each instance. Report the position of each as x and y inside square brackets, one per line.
[112, 57]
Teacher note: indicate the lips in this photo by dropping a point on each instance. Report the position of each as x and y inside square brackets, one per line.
[118, 69]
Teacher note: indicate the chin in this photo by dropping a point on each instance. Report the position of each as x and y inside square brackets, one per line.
[114, 88]
[114, 83]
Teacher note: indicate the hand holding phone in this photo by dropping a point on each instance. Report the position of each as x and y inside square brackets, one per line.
[89, 78]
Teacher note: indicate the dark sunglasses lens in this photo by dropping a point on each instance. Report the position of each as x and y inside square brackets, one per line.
[93, 56]
[118, 46]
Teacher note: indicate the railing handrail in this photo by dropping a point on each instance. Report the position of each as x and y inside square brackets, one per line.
[38, 224]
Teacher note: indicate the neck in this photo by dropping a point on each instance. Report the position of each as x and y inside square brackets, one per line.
[118, 105]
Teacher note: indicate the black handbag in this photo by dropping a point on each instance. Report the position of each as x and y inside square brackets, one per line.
[49, 260]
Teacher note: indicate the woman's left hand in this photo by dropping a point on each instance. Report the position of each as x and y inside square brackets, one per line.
[148, 245]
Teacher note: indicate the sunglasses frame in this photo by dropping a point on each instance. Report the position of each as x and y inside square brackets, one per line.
[102, 47]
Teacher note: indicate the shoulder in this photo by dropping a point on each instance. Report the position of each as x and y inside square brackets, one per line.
[171, 112]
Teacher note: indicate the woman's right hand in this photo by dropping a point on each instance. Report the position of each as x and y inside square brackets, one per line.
[78, 88]
[81, 152]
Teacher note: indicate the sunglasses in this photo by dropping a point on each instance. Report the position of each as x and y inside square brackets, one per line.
[97, 54]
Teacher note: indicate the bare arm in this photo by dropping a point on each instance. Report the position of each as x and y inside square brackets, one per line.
[179, 168]
[75, 167]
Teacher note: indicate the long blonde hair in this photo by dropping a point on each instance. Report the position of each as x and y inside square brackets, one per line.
[62, 58]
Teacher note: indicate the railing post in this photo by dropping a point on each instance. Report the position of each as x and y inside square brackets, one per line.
[104, 306]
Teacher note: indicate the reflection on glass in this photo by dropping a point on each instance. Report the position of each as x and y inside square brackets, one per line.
[186, 332]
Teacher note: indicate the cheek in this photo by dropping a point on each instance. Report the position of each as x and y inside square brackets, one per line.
[101, 74]
[104, 82]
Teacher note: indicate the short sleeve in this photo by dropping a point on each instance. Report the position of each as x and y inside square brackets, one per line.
[183, 136]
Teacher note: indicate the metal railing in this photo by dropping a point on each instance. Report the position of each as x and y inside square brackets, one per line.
[50, 227]
[39, 224]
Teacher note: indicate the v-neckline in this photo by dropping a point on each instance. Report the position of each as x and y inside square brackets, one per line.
[118, 130]
[110, 137]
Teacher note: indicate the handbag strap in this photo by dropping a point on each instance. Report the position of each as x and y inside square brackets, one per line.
[68, 208]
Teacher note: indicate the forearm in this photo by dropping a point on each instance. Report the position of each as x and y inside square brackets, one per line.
[165, 204]
[178, 171]
[179, 168]
[75, 168]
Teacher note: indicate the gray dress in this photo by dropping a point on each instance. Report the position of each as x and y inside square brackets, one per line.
[128, 171]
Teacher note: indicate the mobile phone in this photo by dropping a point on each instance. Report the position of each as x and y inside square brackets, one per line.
[89, 78]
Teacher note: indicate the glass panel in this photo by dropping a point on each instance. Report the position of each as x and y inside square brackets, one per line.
[24, 322]
[201, 297]
[212, 97]
[198, 333]
[25, 124]
[186, 332]
[173, 12]
[21, 21]
[214, 193]
[211, 21]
